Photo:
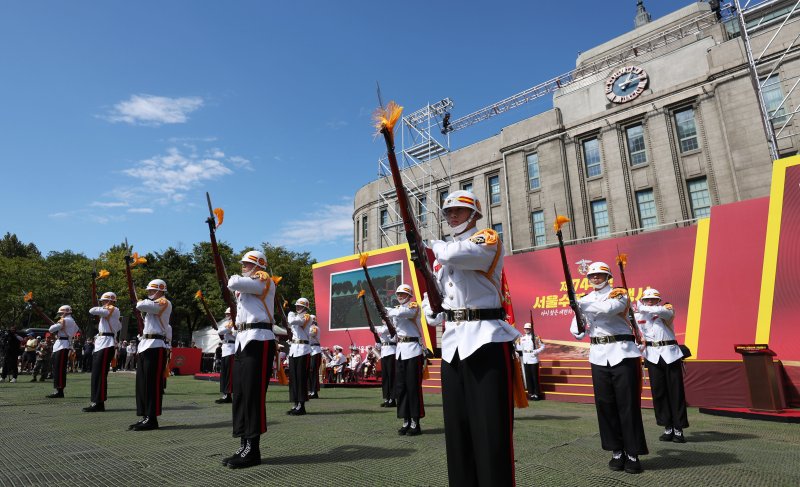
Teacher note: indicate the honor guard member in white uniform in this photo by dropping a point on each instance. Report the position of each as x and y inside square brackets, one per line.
[152, 353]
[410, 361]
[388, 349]
[531, 346]
[227, 336]
[300, 321]
[64, 329]
[105, 346]
[663, 359]
[477, 349]
[255, 351]
[316, 360]
[615, 361]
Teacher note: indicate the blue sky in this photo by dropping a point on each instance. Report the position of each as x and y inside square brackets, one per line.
[117, 116]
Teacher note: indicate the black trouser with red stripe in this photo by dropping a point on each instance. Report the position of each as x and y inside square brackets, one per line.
[532, 378]
[618, 400]
[226, 375]
[60, 360]
[252, 369]
[388, 376]
[669, 398]
[313, 373]
[101, 360]
[150, 381]
[479, 417]
[298, 378]
[408, 388]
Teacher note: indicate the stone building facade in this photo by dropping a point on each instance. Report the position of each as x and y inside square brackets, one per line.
[652, 143]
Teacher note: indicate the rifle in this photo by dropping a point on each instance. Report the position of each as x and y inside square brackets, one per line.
[533, 330]
[279, 298]
[363, 299]
[385, 119]
[573, 302]
[199, 296]
[622, 261]
[219, 266]
[132, 260]
[28, 298]
[362, 258]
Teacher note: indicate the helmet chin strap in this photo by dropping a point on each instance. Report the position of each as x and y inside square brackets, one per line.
[598, 287]
[459, 229]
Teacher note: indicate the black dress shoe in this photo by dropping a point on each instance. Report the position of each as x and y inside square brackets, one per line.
[249, 457]
[55, 395]
[391, 404]
[415, 431]
[679, 437]
[33, 380]
[95, 408]
[403, 430]
[136, 423]
[224, 400]
[300, 412]
[632, 465]
[666, 436]
[384, 404]
[617, 464]
[147, 425]
[291, 412]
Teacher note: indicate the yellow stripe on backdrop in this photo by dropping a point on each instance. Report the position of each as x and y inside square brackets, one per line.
[770, 265]
[692, 338]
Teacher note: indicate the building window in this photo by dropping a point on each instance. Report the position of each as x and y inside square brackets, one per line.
[636, 150]
[384, 217]
[537, 223]
[533, 171]
[647, 208]
[591, 157]
[494, 190]
[600, 217]
[687, 130]
[422, 210]
[773, 96]
[467, 186]
[700, 198]
[498, 227]
[443, 196]
[364, 232]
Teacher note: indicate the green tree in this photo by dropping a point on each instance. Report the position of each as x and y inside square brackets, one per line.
[11, 246]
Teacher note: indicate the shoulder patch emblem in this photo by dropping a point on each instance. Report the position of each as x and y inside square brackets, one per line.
[485, 237]
[617, 292]
[413, 304]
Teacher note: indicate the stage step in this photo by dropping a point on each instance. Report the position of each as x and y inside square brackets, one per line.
[434, 384]
[571, 381]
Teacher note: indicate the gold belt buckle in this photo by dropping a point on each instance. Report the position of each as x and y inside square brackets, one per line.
[603, 340]
[459, 315]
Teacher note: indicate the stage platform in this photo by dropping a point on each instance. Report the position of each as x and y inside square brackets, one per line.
[786, 416]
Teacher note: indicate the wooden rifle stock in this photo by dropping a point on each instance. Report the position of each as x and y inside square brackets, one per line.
[369, 319]
[631, 318]
[219, 265]
[573, 301]
[207, 311]
[378, 304]
[132, 290]
[94, 293]
[418, 252]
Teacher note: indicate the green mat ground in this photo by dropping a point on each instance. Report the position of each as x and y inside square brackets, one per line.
[346, 439]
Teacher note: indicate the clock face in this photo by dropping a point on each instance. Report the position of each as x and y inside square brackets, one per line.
[626, 84]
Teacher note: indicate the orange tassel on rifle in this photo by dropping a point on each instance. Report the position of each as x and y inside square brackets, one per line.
[114, 362]
[622, 259]
[28, 296]
[386, 118]
[282, 379]
[362, 259]
[520, 398]
[103, 274]
[426, 375]
[220, 214]
[198, 294]
[560, 220]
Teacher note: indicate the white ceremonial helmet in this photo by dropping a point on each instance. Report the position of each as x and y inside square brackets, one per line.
[65, 310]
[651, 293]
[404, 288]
[302, 302]
[157, 285]
[598, 268]
[255, 257]
[463, 199]
[108, 296]
[527, 326]
[337, 347]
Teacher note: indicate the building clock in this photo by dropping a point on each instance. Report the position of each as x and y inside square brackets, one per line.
[626, 84]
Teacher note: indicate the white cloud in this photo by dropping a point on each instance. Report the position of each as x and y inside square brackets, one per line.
[328, 224]
[241, 163]
[169, 176]
[154, 110]
[60, 214]
[140, 210]
[109, 204]
[336, 124]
